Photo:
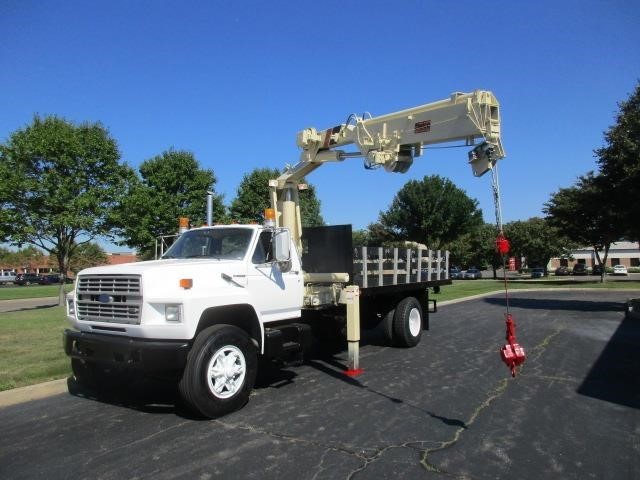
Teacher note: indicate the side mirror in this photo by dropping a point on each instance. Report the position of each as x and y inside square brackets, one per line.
[281, 243]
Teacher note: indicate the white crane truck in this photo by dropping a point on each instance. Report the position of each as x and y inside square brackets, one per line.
[224, 295]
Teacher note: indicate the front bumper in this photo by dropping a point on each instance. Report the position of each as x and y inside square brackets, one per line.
[149, 356]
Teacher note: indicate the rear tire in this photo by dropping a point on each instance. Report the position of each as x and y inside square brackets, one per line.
[407, 323]
[220, 371]
[387, 327]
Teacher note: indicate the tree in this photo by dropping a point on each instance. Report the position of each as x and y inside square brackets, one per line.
[28, 258]
[310, 207]
[7, 258]
[432, 211]
[87, 255]
[477, 247]
[253, 198]
[585, 214]
[172, 185]
[537, 241]
[619, 162]
[360, 238]
[60, 184]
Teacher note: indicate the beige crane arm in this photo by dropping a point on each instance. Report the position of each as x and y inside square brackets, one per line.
[392, 141]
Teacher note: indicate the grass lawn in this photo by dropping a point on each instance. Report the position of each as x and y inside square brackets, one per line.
[14, 292]
[31, 347]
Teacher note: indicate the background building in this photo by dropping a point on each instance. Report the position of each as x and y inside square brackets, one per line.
[45, 264]
[620, 253]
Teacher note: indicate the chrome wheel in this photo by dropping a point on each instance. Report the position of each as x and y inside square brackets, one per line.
[415, 322]
[226, 371]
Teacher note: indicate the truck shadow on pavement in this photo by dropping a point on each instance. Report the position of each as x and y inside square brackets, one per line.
[161, 396]
[144, 394]
[615, 376]
[334, 368]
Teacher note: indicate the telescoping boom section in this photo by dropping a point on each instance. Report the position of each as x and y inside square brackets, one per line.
[392, 142]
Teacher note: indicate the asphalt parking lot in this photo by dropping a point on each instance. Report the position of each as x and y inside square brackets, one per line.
[447, 408]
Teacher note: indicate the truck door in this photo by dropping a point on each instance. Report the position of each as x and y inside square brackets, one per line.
[276, 294]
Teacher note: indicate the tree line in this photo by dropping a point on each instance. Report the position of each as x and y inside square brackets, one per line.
[65, 185]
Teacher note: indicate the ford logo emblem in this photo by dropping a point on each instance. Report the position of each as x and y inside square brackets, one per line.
[104, 298]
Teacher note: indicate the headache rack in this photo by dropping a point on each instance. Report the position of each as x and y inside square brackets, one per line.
[383, 266]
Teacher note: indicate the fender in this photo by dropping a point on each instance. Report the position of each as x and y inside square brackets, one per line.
[241, 315]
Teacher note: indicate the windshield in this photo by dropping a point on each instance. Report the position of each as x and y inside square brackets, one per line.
[218, 243]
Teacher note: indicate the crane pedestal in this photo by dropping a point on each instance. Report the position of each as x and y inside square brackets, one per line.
[350, 297]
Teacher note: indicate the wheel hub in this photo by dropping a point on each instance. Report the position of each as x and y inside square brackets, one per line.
[226, 371]
[415, 322]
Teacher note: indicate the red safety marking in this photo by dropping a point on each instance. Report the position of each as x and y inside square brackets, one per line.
[422, 127]
[353, 373]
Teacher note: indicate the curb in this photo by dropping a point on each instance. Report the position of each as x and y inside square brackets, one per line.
[23, 304]
[33, 392]
[444, 303]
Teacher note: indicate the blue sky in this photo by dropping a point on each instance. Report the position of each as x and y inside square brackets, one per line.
[234, 81]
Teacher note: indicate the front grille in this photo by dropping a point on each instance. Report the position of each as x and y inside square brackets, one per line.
[109, 298]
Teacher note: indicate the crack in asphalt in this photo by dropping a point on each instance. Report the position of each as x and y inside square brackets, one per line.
[365, 458]
[106, 451]
[362, 456]
[495, 394]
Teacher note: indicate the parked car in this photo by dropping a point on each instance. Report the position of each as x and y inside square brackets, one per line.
[537, 272]
[50, 279]
[580, 269]
[472, 274]
[27, 279]
[455, 273]
[597, 270]
[619, 270]
[562, 271]
[7, 277]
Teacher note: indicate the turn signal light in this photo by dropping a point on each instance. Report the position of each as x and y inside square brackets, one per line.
[186, 283]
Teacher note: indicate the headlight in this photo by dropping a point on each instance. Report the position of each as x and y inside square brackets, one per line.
[71, 308]
[172, 313]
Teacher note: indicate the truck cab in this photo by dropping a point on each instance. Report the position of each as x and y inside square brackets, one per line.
[204, 273]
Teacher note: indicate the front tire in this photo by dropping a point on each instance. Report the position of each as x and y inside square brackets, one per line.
[407, 323]
[220, 371]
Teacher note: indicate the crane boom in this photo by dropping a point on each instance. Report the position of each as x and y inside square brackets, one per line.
[392, 141]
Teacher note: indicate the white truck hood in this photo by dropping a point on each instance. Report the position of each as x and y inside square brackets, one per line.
[173, 265]
[162, 277]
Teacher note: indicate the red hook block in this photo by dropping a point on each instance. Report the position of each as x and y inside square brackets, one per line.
[512, 353]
